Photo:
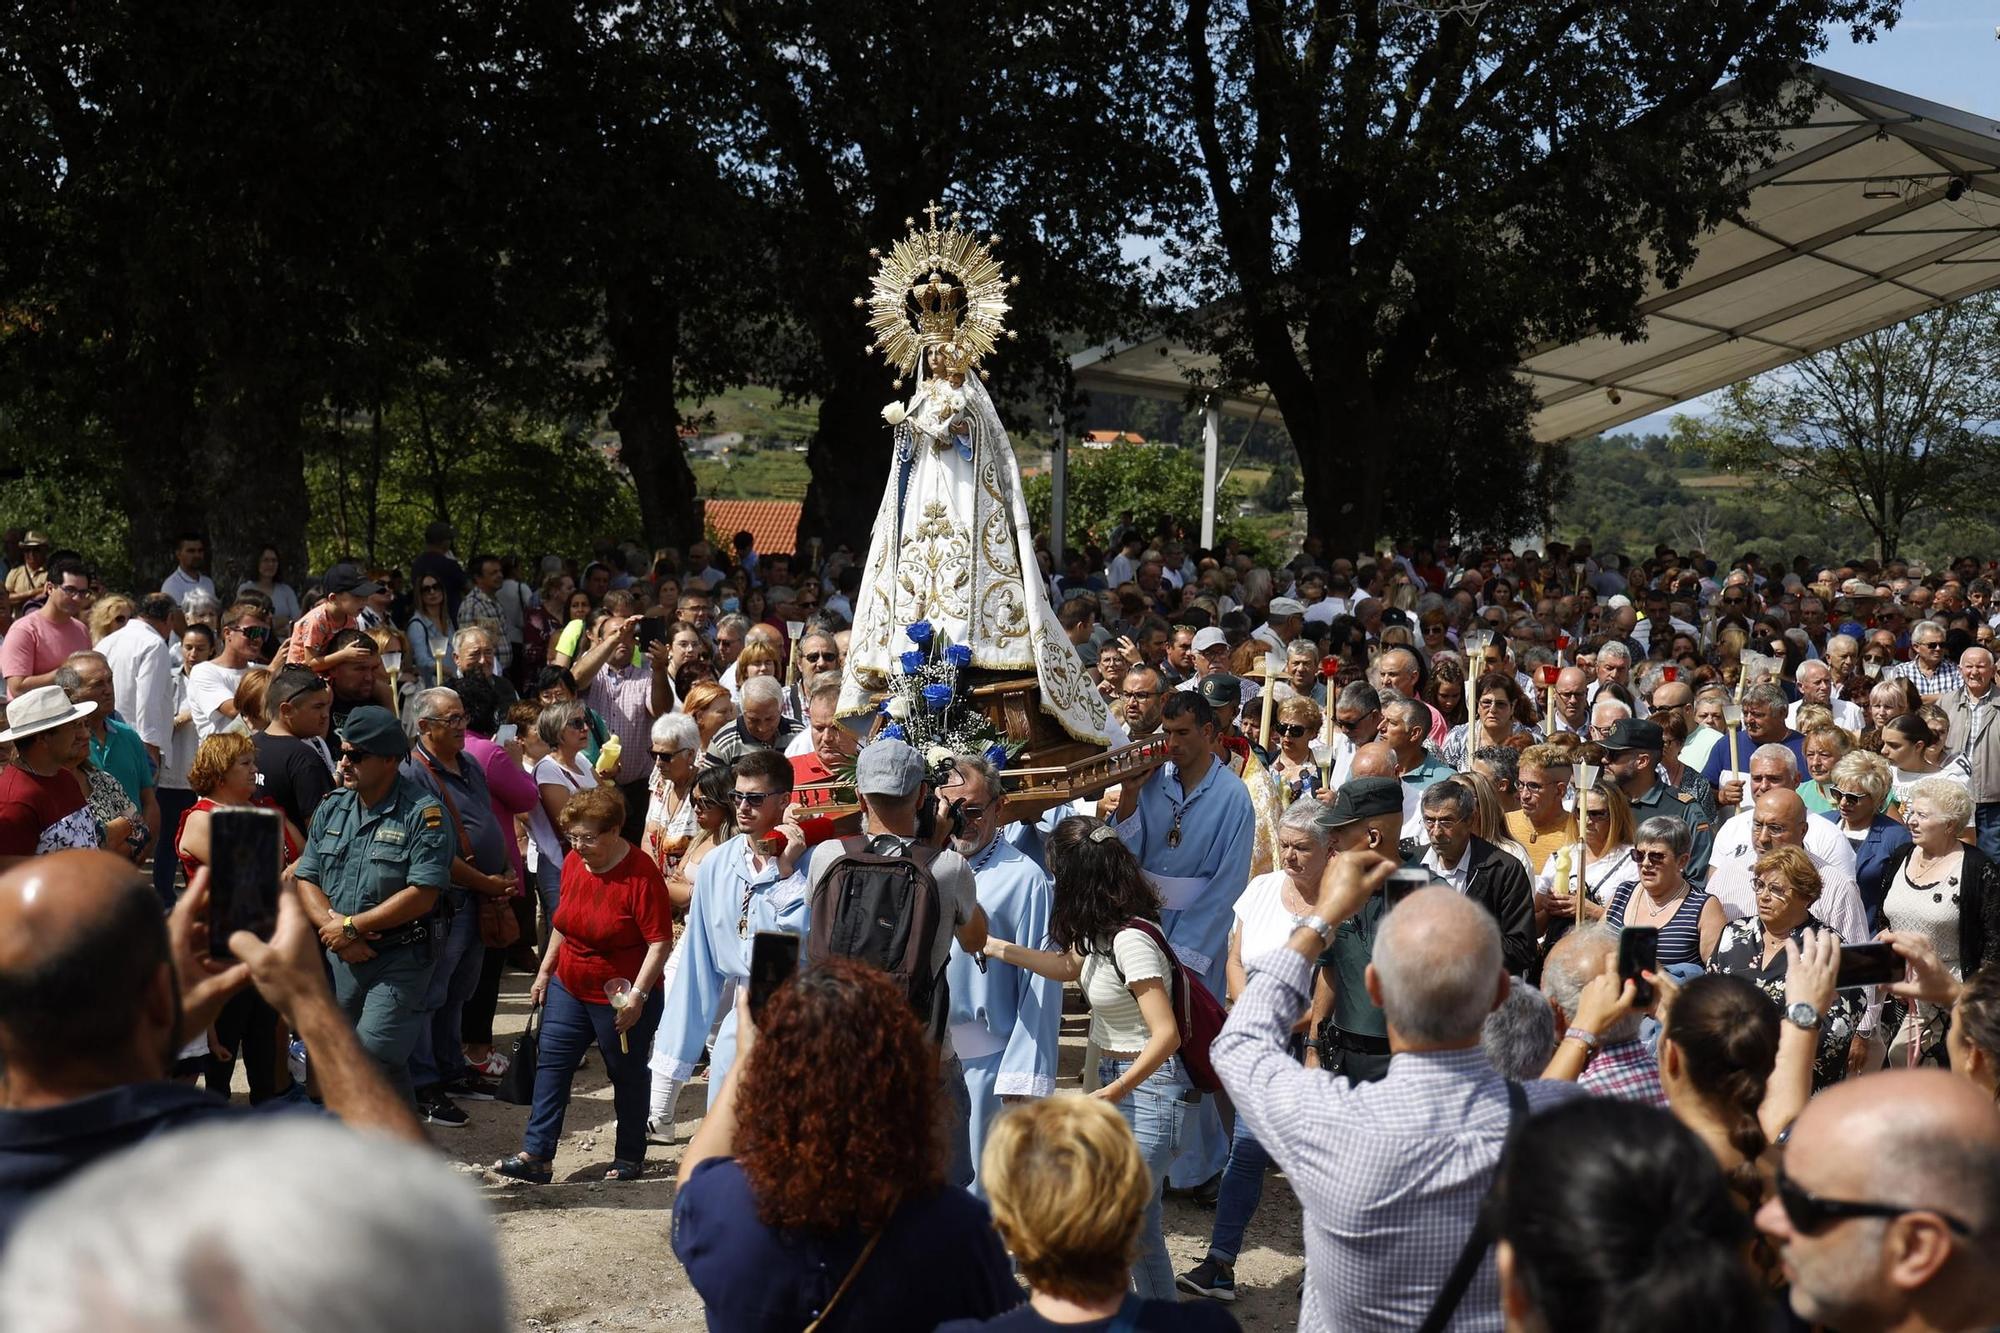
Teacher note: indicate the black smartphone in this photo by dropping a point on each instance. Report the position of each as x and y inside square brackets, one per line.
[1401, 884]
[1639, 953]
[1868, 965]
[245, 859]
[652, 629]
[774, 956]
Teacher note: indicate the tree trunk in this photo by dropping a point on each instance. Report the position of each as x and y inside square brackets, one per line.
[1341, 483]
[251, 466]
[849, 457]
[644, 334]
[160, 501]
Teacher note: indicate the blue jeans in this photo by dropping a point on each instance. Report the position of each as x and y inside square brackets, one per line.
[1985, 822]
[548, 888]
[569, 1026]
[439, 1056]
[1155, 1110]
[1242, 1190]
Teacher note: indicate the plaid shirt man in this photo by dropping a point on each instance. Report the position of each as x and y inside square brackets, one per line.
[623, 696]
[1942, 681]
[1391, 1174]
[1625, 1070]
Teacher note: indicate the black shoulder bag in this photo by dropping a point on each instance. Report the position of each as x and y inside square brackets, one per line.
[1481, 1239]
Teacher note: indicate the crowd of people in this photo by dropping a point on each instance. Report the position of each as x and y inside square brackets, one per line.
[607, 776]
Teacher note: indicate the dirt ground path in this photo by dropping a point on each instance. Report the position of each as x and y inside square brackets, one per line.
[582, 1254]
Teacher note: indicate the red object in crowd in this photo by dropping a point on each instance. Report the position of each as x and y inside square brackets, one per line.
[1669, 672]
[1549, 673]
[1329, 667]
[1562, 643]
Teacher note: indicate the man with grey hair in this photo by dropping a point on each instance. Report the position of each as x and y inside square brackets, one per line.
[1740, 840]
[1815, 682]
[1606, 714]
[1765, 708]
[1620, 1065]
[1481, 871]
[1403, 722]
[1357, 718]
[480, 868]
[1614, 667]
[1396, 672]
[1520, 1036]
[762, 726]
[476, 649]
[1392, 1175]
[262, 1223]
[1971, 711]
[1572, 709]
[1927, 668]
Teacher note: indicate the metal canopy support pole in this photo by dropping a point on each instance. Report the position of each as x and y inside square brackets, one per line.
[1058, 487]
[1211, 440]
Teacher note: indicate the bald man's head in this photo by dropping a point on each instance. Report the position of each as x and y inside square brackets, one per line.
[1923, 1147]
[1778, 819]
[1437, 970]
[87, 992]
[1377, 759]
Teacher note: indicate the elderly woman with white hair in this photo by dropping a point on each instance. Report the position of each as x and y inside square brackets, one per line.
[670, 822]
[1266, 915]
[1946, 890]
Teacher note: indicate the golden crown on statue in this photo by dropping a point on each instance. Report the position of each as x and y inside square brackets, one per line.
[939, 288]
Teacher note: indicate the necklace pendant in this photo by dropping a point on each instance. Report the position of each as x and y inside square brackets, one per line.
[742, 927]
[1173, 837]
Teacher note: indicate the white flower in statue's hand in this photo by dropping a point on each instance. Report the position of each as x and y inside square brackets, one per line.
[899, 708]
[894, 414]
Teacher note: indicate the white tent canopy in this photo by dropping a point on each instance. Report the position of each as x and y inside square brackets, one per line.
[1879, 207]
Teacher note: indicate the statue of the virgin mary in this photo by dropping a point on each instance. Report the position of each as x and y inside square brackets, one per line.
[951, 545]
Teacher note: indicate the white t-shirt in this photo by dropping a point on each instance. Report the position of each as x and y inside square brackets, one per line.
[1263, 922]
[211, 685]
[1116, 1023]
[549, 772]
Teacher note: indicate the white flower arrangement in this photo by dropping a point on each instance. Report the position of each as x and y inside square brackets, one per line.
[894, 414]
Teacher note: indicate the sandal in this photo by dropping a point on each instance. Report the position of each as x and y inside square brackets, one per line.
[622, 1170]
[523, 1167]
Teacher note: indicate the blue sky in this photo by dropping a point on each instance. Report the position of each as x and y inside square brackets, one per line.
[1944, 50]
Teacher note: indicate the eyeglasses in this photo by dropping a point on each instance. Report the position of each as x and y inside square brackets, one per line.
[1810, 1214]
[70, 590]
[254, 633]
[820, 657]
[752, 799]
[578, 723]
[587, 839]
[972, 813]
[1770, 888]
[1573, 694]
[1846, 797]
[1766, 826]
[350, 755]
[1141, 695]
[454, 721]
[1592, 816]
[1654, 857]
[1351, 726]
[1537, 788]
[1293, 729]
[703, 803]
[667, 756]
[429, 587]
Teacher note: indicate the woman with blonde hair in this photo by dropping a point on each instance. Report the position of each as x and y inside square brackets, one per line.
[711, 708]
[1293, 765]
[1859, 785]
[758, 658]
[110, 615]
[1069, 1190]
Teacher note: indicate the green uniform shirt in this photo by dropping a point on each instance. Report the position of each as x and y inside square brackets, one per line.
[1664, 800]
[361, 856]
[1346, 962]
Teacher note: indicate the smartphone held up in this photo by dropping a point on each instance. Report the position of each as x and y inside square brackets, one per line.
[246, 849]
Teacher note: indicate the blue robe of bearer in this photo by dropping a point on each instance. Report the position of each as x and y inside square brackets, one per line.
[1200, 878]
[734, 898]
[1006, 1022]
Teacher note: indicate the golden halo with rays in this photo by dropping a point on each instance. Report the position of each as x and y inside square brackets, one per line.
[937, 287]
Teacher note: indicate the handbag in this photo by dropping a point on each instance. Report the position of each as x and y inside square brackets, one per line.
[517, 1084]
[499, 928]
[847, 1281]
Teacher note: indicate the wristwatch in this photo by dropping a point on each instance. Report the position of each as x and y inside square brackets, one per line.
[1802, 1015]
[1316, 923]
[347, 928]
[1584, 1035]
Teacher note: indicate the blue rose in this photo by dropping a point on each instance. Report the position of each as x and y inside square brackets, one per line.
[920, 633]
[959, 654]
[913, 662]
[996, 755]
[893, 732]
[937, 697]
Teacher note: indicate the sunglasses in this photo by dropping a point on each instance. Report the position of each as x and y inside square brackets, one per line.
[1810, 1214]
[821, 657]
[254, 633]
[753, 799]
[1846, 797]
[667, 756]
[429, 587]
[1347, 726]
[1293, 729]
[1651, 858]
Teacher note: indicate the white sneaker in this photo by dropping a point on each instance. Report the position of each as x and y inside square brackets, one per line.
[661, 1131]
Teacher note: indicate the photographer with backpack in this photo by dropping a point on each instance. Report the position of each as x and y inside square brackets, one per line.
[1106, 932]
[895, 898]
